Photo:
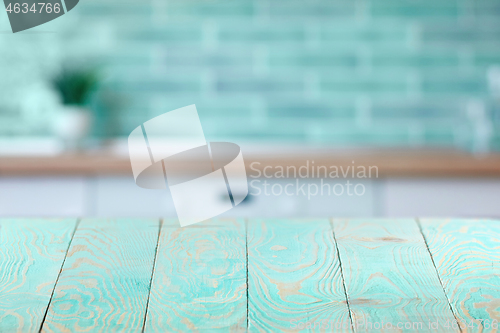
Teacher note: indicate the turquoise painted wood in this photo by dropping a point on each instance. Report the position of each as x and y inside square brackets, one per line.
[294, 278]
[199, 282]
[389, 277]
[31, 256]
[266, 275]
[467, 257]
[105, 281]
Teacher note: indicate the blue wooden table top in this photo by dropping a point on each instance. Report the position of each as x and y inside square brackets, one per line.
[132, 275]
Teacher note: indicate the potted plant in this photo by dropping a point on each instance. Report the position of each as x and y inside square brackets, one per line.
[75, 88]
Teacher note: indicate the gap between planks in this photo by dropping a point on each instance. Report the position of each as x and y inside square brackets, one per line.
[341, 272]
[58, 275]
[152, 274]
[417, 220]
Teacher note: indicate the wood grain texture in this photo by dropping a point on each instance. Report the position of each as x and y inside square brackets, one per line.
[467, 257]
[199, 282]
[31, 256]
[105, 282]
[390, 277]
[294, 277]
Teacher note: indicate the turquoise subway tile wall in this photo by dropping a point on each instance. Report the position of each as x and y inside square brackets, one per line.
[413, 73]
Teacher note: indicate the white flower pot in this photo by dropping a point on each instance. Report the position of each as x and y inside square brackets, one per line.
[73, 125]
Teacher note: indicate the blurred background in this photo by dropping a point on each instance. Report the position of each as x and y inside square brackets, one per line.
[411, 85]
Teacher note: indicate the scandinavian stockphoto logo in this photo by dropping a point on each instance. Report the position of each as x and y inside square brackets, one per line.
[26, 14]
[205, 179]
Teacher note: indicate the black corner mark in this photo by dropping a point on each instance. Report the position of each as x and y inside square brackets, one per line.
[26, 14]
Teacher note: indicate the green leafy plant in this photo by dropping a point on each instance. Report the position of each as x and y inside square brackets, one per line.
[76, 86]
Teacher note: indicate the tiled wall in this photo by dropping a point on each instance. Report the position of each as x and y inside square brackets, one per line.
[346, 72]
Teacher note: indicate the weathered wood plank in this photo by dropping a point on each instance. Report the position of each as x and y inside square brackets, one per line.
[467, 257]
[294, 277]
[31, 256]
[105, 282]
[389, 276]
[200, 278]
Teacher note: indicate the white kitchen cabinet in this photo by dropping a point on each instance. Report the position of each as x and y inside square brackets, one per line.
[110, 196]
[275, 198]
[44, 196]
[121, 197]
[257, 204]
[441, 197]
[359, 203]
